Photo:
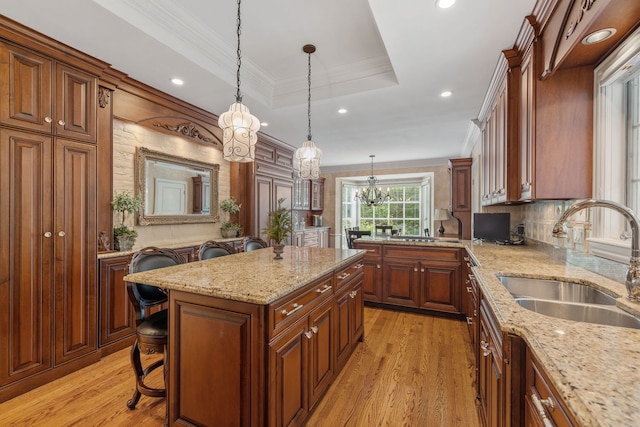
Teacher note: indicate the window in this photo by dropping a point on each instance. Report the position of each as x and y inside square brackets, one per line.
[616, 149]
[408, 209]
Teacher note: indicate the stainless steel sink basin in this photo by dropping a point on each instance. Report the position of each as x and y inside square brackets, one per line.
[590, 313]
[555, 290]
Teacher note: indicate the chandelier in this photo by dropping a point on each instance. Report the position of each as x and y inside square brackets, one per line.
[239, 127]
[372, 195]
[308, 156]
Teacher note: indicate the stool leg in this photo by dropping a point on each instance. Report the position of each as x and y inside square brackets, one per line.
[137, 367]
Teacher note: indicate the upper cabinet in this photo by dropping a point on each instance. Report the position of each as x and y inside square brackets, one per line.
[41, 94]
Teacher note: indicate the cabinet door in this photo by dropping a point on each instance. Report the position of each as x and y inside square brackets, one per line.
[356, 312]
[491, 382]
[321, 352]
[343, 328]
[264, 197]
[75, 249]
[526, 126]
[317, 195]
[439, 286]
[288, 383]
[26, 250]
[116, 312]
[76, 109]
[25, 89]
[372, 281]
[400, 282]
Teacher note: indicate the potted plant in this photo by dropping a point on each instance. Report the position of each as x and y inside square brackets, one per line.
[229, 228]
[278, 227]
[123, 236]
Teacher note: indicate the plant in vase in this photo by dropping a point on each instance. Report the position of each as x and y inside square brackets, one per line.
[278, 227]
[229, 228]
[123, 236]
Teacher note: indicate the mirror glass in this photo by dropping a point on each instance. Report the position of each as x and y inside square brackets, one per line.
[175, 190]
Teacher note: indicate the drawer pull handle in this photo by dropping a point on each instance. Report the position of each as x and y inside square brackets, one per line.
[296, 307]
[353, 294]
[344, 276]
[359, 266]
[485, 348]
[466, 258]
[323, 290]
[543, 414]
[469, 289]
[469, 320]
[371, 250]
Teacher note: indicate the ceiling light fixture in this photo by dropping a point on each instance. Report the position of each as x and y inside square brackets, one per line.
[308, 156]
[446, 94]
[372, 195]
[444, 4]
[239, 127]
[176, 81]
[342, 111]
[598, 36]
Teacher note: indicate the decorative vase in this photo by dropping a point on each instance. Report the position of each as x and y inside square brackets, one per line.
[278, 250]
[125, 243]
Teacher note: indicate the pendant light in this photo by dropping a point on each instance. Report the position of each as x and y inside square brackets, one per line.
[372, 195]
[308, 156]
[239, 127]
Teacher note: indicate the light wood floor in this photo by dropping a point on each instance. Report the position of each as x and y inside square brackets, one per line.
[411, 370]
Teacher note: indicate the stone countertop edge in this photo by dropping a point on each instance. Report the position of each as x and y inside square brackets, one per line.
[594, 367]
[254, 277]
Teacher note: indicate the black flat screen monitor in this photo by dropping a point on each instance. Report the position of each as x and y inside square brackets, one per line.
[493, 227]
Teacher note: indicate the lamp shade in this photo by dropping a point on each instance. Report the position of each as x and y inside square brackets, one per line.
[442, 214]
[308, 160]
[239, 133]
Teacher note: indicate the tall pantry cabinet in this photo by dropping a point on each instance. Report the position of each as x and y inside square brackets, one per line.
[48, 238]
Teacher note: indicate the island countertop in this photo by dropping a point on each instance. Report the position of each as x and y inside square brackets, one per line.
[253, 277]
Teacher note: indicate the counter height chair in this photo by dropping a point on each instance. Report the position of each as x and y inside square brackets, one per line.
[383, 229]
[356, 234]
[151, 329]
[212, 249]
[251, 243]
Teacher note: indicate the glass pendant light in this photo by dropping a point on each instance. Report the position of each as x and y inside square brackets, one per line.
[239, 127]
[308, 156]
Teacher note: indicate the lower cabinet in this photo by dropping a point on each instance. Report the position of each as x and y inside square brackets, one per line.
[491, 381]
[543, 406]
[372, 280]
[349, 321]
[311, 237]
[116, 321]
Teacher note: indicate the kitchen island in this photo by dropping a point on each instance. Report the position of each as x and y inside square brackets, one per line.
[257, 341]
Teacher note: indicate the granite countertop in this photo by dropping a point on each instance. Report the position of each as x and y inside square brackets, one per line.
[254, 277]
[114, 254]
[594, 367]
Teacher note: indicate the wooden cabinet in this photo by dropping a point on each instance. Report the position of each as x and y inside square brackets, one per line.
[301, 194]
[400, 282]
[372, 279]
[47, 237]
[317, 194]
[543, 406]
[491, 382]
[439, 286]
[460, 197]
[41, 94]
[116, 321]
[312, 237]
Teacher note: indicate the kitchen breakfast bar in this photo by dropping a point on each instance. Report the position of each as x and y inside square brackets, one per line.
[257, 341]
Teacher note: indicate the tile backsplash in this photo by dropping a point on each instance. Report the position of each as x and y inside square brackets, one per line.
[540, 217]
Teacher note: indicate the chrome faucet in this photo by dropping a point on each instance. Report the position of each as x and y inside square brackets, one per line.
[632, 281]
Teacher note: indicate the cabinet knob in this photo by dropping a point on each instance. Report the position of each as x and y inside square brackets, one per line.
[469, 320]
[353, 294]
[314, 329]
[415, 269]
[47, 234]
[308, 334]
[62, 122]
[61, 233]
[485, 348]
[48, 119]
[377, 265]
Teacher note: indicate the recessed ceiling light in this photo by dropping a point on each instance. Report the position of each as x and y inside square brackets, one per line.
[176, 81]
[598, 36]
[265, 124]
[446, 94]
[444, 4]
[342, 111]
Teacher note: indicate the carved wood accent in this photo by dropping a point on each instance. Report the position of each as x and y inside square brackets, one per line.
[103, 96]
[190, 130]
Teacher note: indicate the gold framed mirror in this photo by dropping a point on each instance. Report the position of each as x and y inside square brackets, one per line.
[175, 190]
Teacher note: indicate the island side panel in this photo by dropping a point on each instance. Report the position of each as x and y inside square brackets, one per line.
[216, 359]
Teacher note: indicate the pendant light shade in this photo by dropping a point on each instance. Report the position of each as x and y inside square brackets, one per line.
[307, 157]
[372, 195]
[239, 127]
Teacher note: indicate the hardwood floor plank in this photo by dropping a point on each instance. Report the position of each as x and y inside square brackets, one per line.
[411, 370]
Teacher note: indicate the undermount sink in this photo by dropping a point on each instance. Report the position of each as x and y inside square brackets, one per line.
[568, 300]
[590, 313]
[555, 290]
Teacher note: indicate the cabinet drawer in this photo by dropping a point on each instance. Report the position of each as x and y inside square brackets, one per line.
[421, 252]
[543, 397]
[348, 274]
[287, 310]
[373, 250]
